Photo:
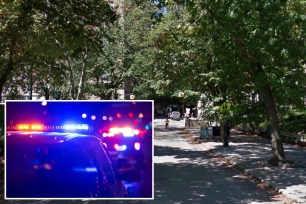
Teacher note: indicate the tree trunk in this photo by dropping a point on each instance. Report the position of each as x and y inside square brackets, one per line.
[8, 69]
[72, 87]
[30, 84]
[271, 113]
[4, 77]
[46, 92]
[222, 130]
[82, 79]
[270, 109]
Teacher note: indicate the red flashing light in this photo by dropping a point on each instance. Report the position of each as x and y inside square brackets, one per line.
[23, 127]
[141, 133]
[126, 132]
[118, 115]
[41, 127]
[30, 126]
[131, 115]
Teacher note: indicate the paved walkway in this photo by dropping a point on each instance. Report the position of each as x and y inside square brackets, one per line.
[250, 154]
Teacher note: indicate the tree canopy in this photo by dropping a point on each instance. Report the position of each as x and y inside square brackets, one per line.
[49, 42]
[250, 54]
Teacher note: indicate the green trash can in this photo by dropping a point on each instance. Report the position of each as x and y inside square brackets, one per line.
[204, 132]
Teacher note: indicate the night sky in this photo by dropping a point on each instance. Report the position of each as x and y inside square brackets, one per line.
[62, 112]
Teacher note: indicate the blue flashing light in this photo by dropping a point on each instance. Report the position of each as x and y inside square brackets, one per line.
[69, 127]
[82, 127]
[123, 147]
[91, 169]
[86, 169]
[147, 127]
[75, 127]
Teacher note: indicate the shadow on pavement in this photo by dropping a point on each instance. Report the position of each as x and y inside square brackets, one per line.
[191, 176]
[252, 153]
[196, 183]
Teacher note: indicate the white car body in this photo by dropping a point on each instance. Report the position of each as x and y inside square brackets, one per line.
[175, 115]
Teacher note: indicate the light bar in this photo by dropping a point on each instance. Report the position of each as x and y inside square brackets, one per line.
[126, 132]
[82, 127]
[115, 130]
[136, 132]
[69, 127]
[75, 127]
[41, 127]
[85, 169]
[30, 127]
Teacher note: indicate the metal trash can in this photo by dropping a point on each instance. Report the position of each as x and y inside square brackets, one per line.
[216, 131]
[204, 132]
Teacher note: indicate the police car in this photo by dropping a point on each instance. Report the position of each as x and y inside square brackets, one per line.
[126, 142]
[61, 165]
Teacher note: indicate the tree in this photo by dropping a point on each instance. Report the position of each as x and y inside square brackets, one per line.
[254, 47]
[62, 34]
[14, 23]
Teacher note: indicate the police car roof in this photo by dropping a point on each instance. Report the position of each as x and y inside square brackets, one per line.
[45, 137]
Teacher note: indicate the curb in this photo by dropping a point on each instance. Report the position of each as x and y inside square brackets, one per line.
[236, 167]
[261, 182]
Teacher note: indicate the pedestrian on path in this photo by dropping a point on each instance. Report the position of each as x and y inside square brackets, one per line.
[166, 123]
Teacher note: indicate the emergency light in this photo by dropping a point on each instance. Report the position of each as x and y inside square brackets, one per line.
[75, 127]
[46, 128]
[30, 127]
[126, 132]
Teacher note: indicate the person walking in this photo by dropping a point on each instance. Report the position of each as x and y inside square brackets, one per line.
[166, 123]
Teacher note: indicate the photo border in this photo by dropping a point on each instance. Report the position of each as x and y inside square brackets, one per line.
[83, 199]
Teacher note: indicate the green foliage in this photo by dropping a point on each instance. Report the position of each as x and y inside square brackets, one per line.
[245, 33]
[1, 120]
[1, 130]
[294, 121]
[53, 40]
[214, 50]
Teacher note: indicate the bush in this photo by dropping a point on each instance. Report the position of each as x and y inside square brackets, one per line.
[294, 121]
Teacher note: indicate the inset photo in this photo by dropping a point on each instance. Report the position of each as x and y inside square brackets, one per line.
[79, 150]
